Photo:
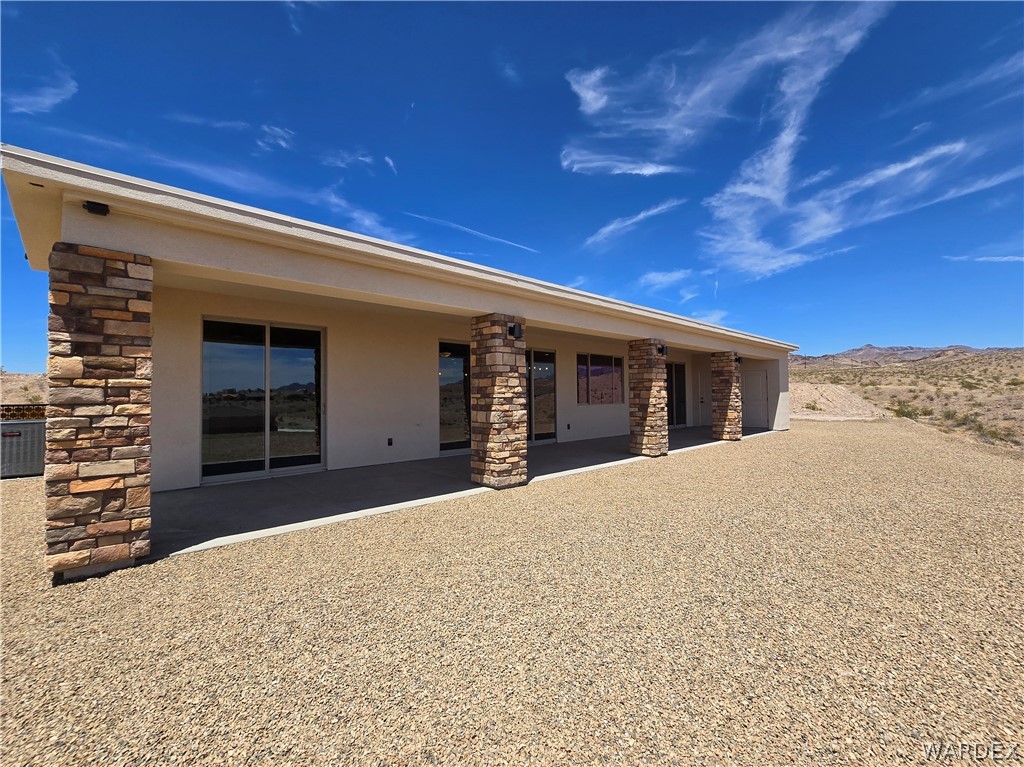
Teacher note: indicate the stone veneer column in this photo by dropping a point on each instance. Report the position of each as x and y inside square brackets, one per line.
[648, 398]
[497, 404]
[97, 419]
[726, 397]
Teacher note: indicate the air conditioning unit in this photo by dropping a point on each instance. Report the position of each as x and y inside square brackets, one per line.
[22, 448]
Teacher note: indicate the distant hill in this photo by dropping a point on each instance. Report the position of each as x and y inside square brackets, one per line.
[871, 356]
[298, 387]
[23, 388]
[977, 392]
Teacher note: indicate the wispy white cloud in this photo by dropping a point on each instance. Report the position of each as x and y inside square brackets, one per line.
[343, 158]
[578, 282]
[916, 132]
[593, 163]
[507, 69]
[294, 10]
[816, 178]
[989, 259]
[209, 122]
[273, 137]
[47, 94]
[249, 183]
[474, 232]
[1003, 252]
[713, 317]
[760, 226]
[653, 115]
[620, 226]
[658, 280]
[1006, 73]
[391, 164]
[740, 237]
[687, 294]
[589, 86]
[363, 220]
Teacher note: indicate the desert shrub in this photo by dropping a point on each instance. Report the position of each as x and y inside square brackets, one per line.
[993, 432]
[1015, 382]
[813, 405]
[966, 383]
[949, 414]
[903, 409]
[925, 411]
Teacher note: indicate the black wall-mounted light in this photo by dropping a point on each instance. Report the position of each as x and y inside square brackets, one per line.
[739, 360]
[515, 330]
[96, 208]
[662, 350]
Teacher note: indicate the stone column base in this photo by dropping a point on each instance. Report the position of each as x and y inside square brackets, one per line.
[726, 397]
[497, 402]
[648, 397]
[97, 420]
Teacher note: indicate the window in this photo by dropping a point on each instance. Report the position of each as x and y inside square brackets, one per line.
[599, 379]
[261, 397]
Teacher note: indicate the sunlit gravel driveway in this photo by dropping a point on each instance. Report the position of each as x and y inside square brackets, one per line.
[843, 593]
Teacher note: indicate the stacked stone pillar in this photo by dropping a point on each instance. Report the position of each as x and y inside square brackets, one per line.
[648, 397]
[726, 397]
[98, 416]
[497, 407]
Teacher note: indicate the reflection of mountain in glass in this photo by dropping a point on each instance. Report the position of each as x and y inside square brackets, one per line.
[293, 407]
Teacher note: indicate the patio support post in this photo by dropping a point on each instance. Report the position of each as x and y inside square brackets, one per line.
[97, 420]
[726, 397]
[648, 397]
[498, 401]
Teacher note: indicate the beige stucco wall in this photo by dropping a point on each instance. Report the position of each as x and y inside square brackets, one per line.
[778, 389]
[379, 379]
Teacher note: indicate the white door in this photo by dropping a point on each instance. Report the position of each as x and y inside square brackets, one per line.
[755, 399]
[704, 398]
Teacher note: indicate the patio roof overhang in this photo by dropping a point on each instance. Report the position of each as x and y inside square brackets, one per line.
[196, 238]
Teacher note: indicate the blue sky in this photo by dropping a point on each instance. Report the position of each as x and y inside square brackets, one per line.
[830, 175]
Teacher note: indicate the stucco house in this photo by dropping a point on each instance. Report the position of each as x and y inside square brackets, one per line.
[261, 344]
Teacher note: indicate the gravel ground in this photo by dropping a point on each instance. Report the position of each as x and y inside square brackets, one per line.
[842, 593]
[834, 403]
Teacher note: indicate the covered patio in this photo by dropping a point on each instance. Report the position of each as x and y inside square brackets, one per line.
[213, 515]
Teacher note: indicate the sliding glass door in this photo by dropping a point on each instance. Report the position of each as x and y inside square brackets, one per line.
[261, 398]
[294, 397]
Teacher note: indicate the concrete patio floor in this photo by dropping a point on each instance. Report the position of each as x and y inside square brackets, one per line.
[199, 517]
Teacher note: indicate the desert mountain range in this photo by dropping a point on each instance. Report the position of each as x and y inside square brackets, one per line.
[872, 356]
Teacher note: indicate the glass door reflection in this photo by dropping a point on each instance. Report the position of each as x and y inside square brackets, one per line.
[234, 398]
[294, 397]
[261, 398]
[541, 395]
[453, 391]
[676, 390]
